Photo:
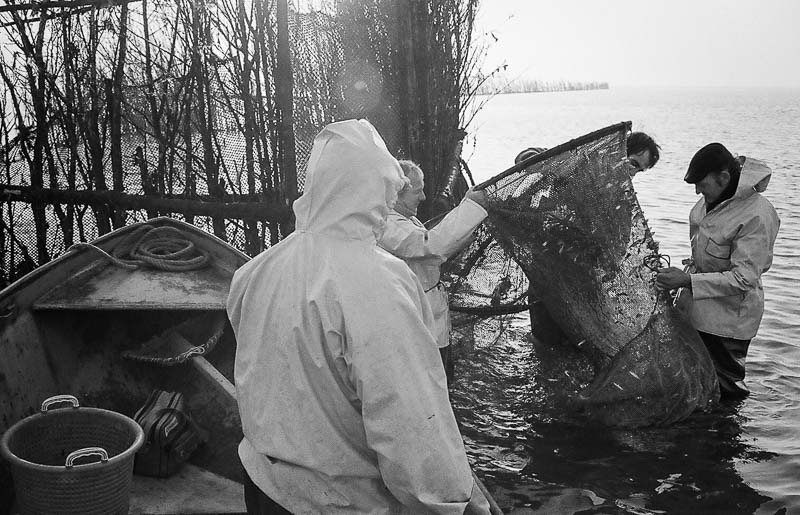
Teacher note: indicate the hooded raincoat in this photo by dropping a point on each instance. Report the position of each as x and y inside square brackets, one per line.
[341, 391]
[731, 248]
[425, 250]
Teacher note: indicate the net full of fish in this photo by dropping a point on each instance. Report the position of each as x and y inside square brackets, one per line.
[570, 219]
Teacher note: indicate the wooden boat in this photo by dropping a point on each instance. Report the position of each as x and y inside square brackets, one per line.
[77, 326]
[93, 325]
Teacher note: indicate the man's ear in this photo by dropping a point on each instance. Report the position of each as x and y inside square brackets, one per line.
[724, 178]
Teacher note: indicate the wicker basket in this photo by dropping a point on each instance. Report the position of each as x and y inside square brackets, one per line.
[48, 453]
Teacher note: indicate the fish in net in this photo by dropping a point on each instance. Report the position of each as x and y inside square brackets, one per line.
[566, 225]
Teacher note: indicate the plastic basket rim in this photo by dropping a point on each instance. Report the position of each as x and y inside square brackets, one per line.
[15, 460]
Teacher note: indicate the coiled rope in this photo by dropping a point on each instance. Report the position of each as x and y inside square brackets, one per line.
[162, 248]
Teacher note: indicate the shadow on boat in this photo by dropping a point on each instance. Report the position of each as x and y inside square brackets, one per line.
[109, 334]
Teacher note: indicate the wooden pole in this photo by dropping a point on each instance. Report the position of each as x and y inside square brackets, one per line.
[284, 101]
[494, 508]
[271, 211]
[569, 145]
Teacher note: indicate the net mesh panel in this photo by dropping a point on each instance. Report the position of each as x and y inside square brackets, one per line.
[316, 59]
[569, 221]
[484, 280]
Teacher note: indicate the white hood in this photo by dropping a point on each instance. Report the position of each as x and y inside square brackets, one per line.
[373, 177]
[754, 177]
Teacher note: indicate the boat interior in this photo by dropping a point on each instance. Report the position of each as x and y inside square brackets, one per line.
[110, 336]
[87, 353]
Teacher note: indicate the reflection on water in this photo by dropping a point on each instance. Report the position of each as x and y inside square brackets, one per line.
[509, 396]
[534, 456]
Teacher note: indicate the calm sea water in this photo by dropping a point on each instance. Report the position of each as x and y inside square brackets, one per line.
[740, 458]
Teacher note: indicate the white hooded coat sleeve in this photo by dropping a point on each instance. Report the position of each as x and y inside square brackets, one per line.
[408, 241]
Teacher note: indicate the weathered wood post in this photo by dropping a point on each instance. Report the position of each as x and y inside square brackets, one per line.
[284, 101]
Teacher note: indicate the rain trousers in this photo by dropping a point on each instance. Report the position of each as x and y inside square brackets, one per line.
[425, 250]
[341, 390]
[731, 248]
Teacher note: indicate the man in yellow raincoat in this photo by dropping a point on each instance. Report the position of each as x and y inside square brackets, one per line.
[732, 229]
[341, 392]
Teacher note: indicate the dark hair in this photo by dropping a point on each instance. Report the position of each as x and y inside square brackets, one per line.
[639, 142]
[528, 152]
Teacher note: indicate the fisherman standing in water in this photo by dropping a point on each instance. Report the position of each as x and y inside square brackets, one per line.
[341, 393]
[425, 250]
[732, 229]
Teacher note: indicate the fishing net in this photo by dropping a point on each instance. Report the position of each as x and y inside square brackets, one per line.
[571, 218]
[568, 221]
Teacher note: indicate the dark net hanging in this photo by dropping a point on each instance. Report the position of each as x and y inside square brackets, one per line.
[567, 221]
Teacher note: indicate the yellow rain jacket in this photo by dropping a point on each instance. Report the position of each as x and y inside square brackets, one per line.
[425, 250]
[731, 248]
[341, 390]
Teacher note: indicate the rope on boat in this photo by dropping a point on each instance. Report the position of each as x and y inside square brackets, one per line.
[163, 248]
[159, 352]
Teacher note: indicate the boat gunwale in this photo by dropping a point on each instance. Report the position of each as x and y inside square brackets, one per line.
[10, 292]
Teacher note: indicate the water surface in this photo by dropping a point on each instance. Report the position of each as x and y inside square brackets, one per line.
[742, 457]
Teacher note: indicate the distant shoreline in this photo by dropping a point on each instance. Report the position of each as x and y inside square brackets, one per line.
[536, 86]
[540, 91]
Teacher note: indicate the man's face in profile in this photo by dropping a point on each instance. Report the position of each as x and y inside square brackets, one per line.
[411, 196]
[639, 162]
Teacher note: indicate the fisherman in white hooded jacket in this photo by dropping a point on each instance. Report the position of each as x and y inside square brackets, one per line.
[732, 229]
[342, 397]
[426, 249]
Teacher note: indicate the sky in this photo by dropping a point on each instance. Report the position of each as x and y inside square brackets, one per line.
[705, 43]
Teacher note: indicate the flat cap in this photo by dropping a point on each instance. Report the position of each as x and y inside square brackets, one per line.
[714, 157]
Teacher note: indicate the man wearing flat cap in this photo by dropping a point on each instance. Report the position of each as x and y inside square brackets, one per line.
[732, 229]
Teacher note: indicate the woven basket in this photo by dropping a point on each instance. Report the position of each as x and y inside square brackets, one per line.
[54, 459]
